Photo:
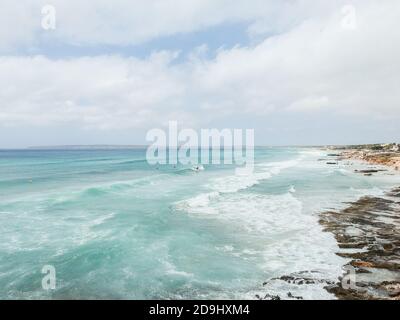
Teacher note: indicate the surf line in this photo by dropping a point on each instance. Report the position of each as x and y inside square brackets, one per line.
[160, 310]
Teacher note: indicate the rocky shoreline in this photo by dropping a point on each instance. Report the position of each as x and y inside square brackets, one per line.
[368, 232]
[377, 154]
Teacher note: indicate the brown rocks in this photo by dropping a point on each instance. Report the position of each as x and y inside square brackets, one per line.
[385, 156]
[362, 264]
[370, 228]
[369, 171]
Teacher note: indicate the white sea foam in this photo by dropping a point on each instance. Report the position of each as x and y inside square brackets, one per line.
[360, 192]
[198, 204]
[253, 212]
[234, 183]
[170, 269]
[197, 168]
[277, 166]
[264, 171]
[312, 152]
[287, 237]
[214, 202]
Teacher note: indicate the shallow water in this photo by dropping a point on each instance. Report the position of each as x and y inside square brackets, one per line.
[115, 227]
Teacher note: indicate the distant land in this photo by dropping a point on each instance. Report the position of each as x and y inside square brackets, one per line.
[86, 147]
[112, 146]
[376, 146]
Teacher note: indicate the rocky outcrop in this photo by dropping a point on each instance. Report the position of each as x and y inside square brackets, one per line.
[378, 154]
[368, 233]
[391, 159]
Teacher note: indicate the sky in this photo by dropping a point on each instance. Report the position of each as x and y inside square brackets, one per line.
[298, 72]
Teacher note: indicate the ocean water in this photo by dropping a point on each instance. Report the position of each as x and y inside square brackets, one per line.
[115, 227]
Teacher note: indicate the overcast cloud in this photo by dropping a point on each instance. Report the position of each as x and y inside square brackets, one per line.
[299, 60]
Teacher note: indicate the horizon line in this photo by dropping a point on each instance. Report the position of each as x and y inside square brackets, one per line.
[139, 146]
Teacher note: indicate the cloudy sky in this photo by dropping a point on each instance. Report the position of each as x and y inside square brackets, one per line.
[297, 71]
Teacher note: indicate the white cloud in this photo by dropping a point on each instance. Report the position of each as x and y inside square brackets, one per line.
[101, 92]
[118, 22]
[130, 22]
[317, 64]
[17, 24]
[309, 104]
[314, 67]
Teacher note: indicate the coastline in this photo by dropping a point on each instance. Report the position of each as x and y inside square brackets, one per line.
[299, 258]
[368, 231]
[377, 154]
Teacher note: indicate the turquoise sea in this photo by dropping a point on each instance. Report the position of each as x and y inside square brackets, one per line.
[115, 227]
